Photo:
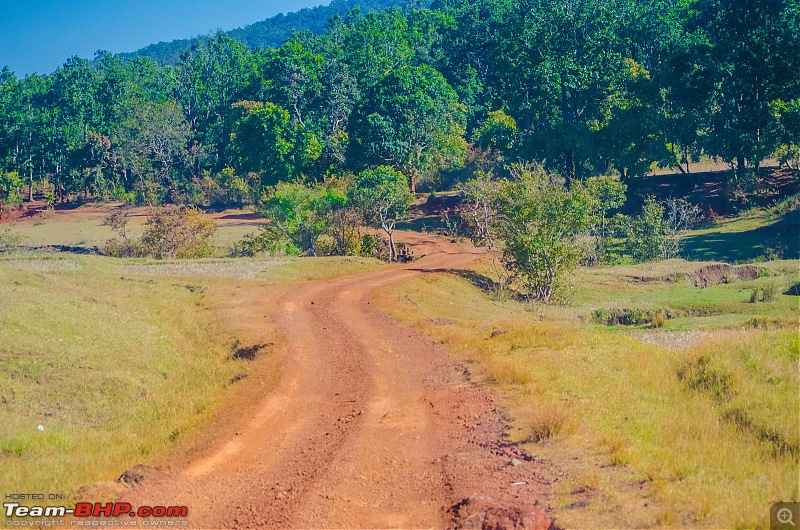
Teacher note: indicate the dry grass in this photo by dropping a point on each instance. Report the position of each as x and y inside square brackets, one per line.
[614, 411]
[121, 368]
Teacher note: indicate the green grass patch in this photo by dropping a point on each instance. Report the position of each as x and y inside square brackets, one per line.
[747, 238]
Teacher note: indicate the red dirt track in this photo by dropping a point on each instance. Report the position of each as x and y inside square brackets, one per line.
[370, 427]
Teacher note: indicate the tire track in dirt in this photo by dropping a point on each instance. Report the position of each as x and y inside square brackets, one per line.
[370, 427]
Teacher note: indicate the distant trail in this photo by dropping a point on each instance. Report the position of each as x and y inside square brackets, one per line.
[370, 427]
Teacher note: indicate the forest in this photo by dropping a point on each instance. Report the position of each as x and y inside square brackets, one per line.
[584, 88]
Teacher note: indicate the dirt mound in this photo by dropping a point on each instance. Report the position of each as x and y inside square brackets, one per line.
[720, 273]
[136, 475]
[482, 513]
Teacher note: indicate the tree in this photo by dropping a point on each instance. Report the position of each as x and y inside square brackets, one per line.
[155, 139]
[10, 183]
[561, 61]
[607, 194]
[411, 121]
[539, 222]
[756, 54]
[787, 115]
[302, 213]
[267, 141]
[383, 197]
[477, 211]
[498, 131]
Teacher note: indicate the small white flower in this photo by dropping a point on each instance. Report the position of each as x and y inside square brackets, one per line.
[41, 428]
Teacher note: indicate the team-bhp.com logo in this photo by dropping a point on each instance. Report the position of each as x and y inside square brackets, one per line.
[112, 510]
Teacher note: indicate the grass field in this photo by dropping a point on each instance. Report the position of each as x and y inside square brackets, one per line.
[670, 426]
[82, 229]
[120, 361]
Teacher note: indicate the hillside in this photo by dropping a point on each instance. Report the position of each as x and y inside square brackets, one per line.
[271, 32]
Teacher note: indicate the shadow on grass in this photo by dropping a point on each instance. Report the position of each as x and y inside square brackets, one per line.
[484, 283]
[67, 249]
[733, 247]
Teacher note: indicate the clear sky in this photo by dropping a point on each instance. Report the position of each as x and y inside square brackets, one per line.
[39, 35]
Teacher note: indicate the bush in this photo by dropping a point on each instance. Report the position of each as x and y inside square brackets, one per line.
[9, 240]
[540, 221]
[632, 317]
[300, 214]
[270, 242]
[646, 232]
[123, 248]
[369, 246]
[326, 245]
[547, 421]
[179, 233]
[656, 232]
[770, 291]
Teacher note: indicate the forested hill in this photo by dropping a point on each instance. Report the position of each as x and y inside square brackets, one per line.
[269, 33]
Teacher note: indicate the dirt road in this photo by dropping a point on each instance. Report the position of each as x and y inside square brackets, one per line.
[370, 427]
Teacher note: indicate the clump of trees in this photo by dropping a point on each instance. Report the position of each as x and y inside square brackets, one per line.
[327, 219]
[546, 225]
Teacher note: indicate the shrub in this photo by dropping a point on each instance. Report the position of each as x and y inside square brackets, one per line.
[268, 241]
[477, 210]
[659, 319]
[770, 291]
[539, 223]
[179, 233]
[326, 245]
[123, 248]
[547, 422]
[369, 245]
[300, 214]
[9, 240]
[632, 316]
[118, 222]
[10, 183]
[657, 231]
[754, 295]
[345, 228]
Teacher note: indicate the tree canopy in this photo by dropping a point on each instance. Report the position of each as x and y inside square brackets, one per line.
[586, 88]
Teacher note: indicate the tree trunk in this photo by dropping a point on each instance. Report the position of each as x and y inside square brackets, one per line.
[740, 166]
[392, 252]
[412, 180]
[30, 188]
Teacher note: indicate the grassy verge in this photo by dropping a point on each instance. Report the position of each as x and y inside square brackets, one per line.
[122, 361]
[701, 435]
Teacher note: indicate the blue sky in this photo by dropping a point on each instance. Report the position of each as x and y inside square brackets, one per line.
[39, 35]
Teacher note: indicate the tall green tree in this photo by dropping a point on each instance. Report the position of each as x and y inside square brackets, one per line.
[267, 141]
[412, 121]
[757, 59]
